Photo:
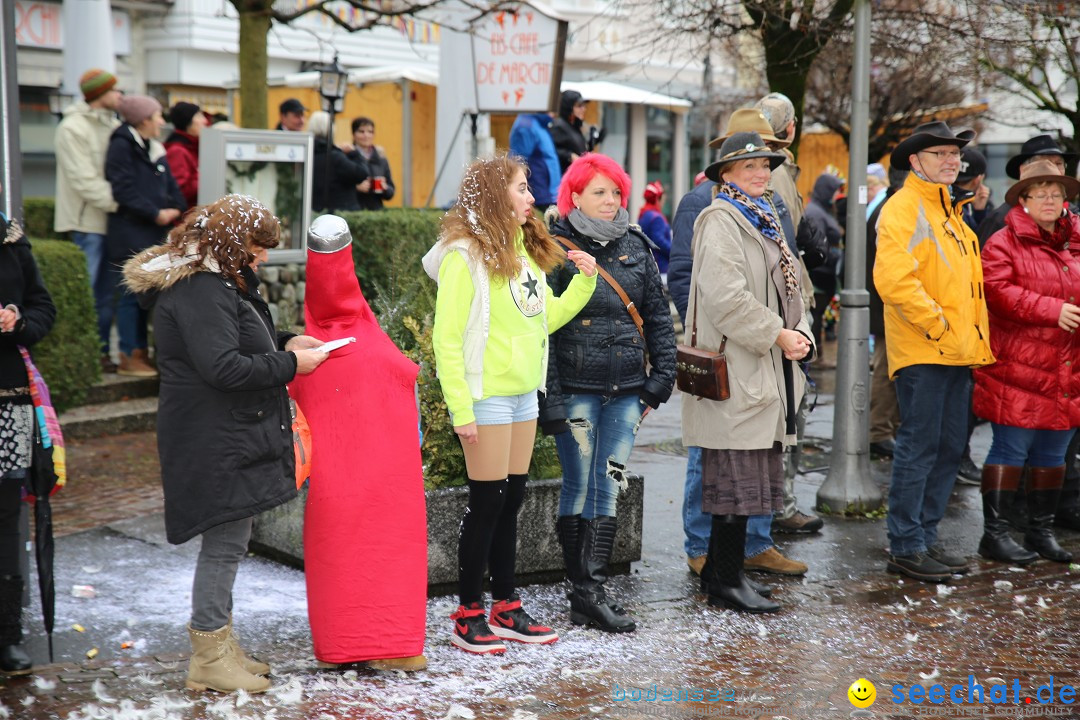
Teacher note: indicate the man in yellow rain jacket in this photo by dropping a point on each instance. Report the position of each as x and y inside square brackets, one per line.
[929, 275]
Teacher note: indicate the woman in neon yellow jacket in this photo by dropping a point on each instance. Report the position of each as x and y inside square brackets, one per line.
[492, 319]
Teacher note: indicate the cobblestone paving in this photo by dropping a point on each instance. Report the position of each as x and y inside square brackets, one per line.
[996, 626]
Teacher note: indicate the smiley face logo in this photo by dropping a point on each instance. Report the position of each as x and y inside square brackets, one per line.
[862, 693]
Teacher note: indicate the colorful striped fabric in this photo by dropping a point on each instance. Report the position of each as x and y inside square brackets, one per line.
[48, 423]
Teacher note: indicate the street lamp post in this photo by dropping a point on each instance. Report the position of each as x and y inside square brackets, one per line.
[849, 485]
[10, 155]
[333, 82]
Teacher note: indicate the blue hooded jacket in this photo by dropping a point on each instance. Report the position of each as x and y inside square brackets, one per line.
[531, 139]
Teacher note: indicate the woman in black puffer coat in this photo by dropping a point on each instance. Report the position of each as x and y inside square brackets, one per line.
[604, 375]
[26, 316]
[224, 424]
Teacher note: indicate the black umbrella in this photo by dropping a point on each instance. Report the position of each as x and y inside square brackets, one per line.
[42, 481]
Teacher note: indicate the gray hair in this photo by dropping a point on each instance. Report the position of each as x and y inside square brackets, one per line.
[319, 123]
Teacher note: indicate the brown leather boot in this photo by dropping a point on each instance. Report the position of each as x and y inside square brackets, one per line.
[132, 366]
[771, 561]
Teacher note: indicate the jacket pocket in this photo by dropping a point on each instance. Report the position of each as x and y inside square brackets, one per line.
[749, 377]
[253, 435]
[570, 355]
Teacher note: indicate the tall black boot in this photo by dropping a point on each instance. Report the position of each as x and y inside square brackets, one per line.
[999, 484]
[591, 605]
[1015, 511]
[568, 528]
[723, 575]
[13, 659]
[1068, 509]
[1043, 492]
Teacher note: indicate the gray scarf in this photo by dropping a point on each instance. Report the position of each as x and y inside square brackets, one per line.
[602, 231]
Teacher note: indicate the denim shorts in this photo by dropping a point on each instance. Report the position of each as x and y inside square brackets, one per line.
[503, 410]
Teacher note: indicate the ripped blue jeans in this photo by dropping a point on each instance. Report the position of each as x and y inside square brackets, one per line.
[594, 453]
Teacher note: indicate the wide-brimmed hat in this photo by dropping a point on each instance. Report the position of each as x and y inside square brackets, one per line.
[779, 111]
[1038, 145]
[743, 146]
[748, 120]
[1040, 171]
[928, 135]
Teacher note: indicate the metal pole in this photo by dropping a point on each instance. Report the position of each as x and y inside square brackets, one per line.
[10, 155]
[849, 486]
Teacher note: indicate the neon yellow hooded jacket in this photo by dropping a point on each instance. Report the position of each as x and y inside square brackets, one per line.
[490, 336]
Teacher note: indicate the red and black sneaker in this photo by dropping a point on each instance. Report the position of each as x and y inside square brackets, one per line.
[509, 621]
[471, 631]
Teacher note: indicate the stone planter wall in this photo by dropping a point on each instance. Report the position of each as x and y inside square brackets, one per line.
[283, 289]
[278, 533]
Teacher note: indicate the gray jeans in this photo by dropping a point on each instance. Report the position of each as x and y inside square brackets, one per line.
[223, 546]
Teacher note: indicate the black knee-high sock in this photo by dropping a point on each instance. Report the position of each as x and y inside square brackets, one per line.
[503, 554]
[474, 539]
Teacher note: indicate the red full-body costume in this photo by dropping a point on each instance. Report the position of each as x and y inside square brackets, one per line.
[365, 526]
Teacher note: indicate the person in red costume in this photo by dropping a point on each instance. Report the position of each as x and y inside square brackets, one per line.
[365, 524]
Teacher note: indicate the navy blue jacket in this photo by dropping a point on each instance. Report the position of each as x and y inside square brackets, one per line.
[142, 187]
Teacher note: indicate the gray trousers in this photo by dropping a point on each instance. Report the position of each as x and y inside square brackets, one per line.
[223, 546]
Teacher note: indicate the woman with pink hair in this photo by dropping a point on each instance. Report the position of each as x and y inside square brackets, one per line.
[599, 385]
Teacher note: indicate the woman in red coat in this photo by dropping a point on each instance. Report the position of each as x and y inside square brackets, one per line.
[1031, 395]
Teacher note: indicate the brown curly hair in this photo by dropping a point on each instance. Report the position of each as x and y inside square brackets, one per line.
[485, 215]
[226, 231]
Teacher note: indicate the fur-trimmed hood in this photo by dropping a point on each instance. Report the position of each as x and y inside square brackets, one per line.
[156, 269]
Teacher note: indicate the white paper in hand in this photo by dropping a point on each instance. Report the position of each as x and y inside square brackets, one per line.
[335, 344]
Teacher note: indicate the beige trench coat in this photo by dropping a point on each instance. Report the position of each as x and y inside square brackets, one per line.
[733, 290]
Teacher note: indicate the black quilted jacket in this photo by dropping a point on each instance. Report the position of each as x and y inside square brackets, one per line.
[600, 350]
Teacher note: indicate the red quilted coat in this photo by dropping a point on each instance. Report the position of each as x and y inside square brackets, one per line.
[1029, 274]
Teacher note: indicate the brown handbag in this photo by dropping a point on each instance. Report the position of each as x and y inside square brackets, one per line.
[701, 373]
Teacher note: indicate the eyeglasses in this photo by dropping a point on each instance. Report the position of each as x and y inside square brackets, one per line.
[1043, 197]
[943, 154]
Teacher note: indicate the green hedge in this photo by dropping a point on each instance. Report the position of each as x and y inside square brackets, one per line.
[68, 356]
[38, 213]
[387, 249]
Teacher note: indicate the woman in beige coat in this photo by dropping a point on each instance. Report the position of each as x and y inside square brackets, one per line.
[745, 288]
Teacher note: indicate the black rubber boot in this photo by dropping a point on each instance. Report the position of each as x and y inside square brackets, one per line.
[13, 659]
[568, 529]
[723, 575]
[998, 490]
[1014, 511]
[1043, 493]
[1068, 509]
[590, 604]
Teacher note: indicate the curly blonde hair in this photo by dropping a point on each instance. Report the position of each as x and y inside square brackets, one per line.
[225, 231]
[484, 214]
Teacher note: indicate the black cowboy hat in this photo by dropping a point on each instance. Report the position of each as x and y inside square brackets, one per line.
[1041, 171]
[1038, 145]
[743, 146]
[928, 135]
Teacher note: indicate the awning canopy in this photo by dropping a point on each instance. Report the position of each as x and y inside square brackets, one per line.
[604, 91]
[362, 76]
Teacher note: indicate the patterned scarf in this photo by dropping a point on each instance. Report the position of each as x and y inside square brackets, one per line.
[760, 215]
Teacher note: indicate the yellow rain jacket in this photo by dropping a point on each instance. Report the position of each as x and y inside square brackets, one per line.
[929, 275]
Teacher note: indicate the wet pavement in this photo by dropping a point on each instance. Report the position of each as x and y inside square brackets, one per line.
[846, 619]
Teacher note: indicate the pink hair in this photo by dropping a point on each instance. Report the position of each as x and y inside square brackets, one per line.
[582, 171]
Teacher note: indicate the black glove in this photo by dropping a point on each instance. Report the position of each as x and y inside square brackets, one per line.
[812, 243]
[554, 427]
